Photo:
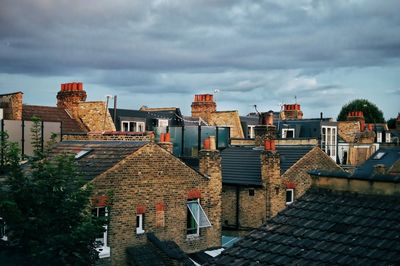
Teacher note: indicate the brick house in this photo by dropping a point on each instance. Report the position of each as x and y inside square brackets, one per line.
[258, 183]
[144, 189]
[343, 219]
[204, 107]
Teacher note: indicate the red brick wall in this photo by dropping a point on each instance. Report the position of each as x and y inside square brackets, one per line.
[148, 177]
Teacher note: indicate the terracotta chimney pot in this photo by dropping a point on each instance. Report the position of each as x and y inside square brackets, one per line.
[206, 144]
[167, 137]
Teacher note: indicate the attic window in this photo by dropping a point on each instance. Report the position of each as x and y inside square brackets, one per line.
[379, 155]
[82, 153]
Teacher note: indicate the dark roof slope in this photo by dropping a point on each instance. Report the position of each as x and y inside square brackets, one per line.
[53, 114]
[325, 227]
[242, 165]
[390, 155]
[157, 252]
[101, 155]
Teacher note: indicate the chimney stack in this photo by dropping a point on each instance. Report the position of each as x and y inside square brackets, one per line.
[69, 97]
[203, 105]
[292, 112]
[265, 131]
[12, 105]
[165, 142]
[357, 116]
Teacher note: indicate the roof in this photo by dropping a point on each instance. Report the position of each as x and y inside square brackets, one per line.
[386, 160]
[324, 227]
[157, 252]
[193, 121]
[101, 155]
[390, 155]
[242, 166]
[304, 128]
[53, 114]
[227, 118]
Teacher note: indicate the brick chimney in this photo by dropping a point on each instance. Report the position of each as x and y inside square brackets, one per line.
[271, 177]
[266, 130]
[357, 116]
[11, 104]
[210, 166]
[69, 97]
[291, 112]
[203, 105]
[165, 142]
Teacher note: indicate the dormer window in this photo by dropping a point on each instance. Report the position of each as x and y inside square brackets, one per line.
[132, 126]
[288, 133]
[379, 137]
[289, 196]
[162, 122]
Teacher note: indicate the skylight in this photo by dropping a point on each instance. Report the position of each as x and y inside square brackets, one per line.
[379, 155]
[82, 153]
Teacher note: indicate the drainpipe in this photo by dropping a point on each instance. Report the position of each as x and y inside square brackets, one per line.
[237, 206]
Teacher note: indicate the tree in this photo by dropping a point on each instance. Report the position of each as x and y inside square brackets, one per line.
[391, 123]
[46, 207]
[372, 114]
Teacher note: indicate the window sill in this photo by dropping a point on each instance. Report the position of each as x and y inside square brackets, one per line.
[140, 231]
[104, 252]
[192, 237]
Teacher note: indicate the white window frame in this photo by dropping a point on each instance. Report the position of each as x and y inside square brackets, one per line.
[3, 228]
[139, 228]
[162, 122]
[388, 137]
[329, 140]
[285, 130]
[291, 190]
[379, 137]
[137, 126]
[103, 249]
[197, 217]
[250, 131]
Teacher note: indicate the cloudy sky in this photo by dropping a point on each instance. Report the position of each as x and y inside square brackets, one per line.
[160, 53]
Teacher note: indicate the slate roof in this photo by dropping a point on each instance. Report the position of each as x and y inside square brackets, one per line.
[157, 252]
[53, 114]
[390, 161]
[102, 155]
[324, 227]
[242, 166]
[304, 128]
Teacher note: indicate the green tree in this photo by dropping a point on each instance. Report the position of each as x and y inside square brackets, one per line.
[391, 123]
[46, 205]
[372, 114]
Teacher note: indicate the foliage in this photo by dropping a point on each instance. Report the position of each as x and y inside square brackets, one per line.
[46, 205]
[372, 114]
[391, 123]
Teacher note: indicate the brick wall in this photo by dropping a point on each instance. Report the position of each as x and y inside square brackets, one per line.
[95, 116]
[148, 177]
[252, 209]
[117, 136]
[69, 97]
[229, 119]
[297, 174]
[347, 130]
[12, 105]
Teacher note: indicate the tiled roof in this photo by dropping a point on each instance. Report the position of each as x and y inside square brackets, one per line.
[325, 228]
[53, 114]
[157, 252]
[101, 155]
[242, 165]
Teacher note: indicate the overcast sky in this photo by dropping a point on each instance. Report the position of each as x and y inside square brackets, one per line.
[160, 53]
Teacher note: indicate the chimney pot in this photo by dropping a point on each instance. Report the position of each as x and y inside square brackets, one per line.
[162, 137]
[213, 145]
[167, 137]
[80, 86]
[206, 144]
[267, 144]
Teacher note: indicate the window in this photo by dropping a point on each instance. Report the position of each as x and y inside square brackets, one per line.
[250, 132]
[132, 126]
[379, 137]
[288, 133]
[251, 192]
[388, 137]
[140, 223]
[82, 153]
[196, 218]
[379, 155]
[162, 122]
[101, 239]
[329, 140]
[289, 196]
[3, 235]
